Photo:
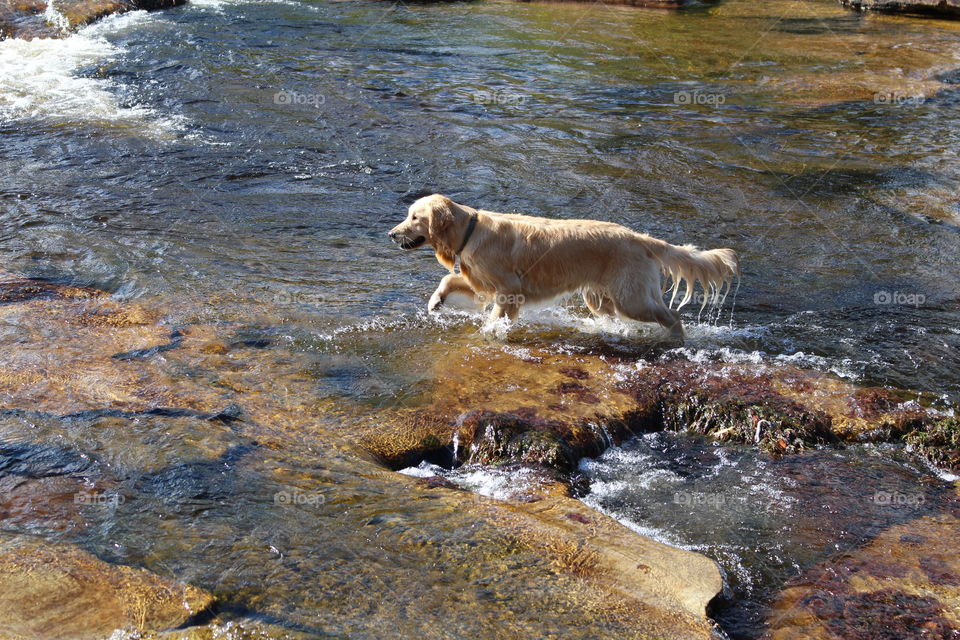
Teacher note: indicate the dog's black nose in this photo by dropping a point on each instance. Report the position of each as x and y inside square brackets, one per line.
[392, 234]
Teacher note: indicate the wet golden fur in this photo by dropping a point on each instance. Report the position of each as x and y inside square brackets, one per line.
[511, 259]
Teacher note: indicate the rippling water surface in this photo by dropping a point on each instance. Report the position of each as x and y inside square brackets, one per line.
[240, 162]
[256, 151]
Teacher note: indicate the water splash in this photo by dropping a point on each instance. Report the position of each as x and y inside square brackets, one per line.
[56, 19]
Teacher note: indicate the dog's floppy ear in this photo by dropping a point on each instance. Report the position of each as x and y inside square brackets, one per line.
[441, 216]
[441, 224]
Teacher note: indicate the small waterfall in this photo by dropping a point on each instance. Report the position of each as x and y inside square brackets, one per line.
[456, 447]
[55, 18]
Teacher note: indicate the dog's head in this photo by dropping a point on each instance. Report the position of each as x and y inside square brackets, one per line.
[428, 222]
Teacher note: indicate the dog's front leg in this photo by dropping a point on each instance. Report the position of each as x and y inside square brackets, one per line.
[506, 305]
[450, 283]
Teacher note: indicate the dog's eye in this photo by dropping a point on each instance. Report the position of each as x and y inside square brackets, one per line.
[414, 218]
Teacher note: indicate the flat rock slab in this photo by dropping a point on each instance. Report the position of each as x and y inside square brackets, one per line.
[56, 591]
[638, 567]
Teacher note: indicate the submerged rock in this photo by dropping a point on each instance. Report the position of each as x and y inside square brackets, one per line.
[54, 591]
[47, 504]
[231, 630]
[903, 584]
[942, 8]
[14, 289]
[39, 445]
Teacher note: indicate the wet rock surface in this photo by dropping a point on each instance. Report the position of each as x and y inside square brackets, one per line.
[51, 591]
[198, 451]
[904, 584]
[190, 462]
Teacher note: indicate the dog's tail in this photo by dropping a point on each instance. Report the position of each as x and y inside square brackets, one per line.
[714, 269]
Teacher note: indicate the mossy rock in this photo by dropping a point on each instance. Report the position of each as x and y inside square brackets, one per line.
[492, 433]
[775, 424]
[541, 448]
[938, 442]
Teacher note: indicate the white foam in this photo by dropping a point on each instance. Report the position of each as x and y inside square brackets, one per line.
[216, 5]
[500, 484]
[845, 368]
[492, 482]
[423, 470]
[39, 79]
[55, 18]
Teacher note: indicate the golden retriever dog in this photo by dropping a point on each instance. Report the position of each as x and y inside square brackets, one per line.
[511, 259]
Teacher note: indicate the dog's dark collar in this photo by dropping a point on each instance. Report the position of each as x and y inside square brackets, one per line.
[466, 236]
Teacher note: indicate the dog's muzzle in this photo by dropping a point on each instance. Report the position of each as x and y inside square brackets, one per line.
[407, 243]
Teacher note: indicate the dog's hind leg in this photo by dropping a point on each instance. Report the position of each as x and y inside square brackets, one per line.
[636, 294]
[642, 301]
[450, 283]
[652, 311]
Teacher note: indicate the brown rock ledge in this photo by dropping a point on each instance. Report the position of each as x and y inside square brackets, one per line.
[553, 409]
[56, 591]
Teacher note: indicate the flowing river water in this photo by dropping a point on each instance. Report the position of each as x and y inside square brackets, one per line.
[239, 163]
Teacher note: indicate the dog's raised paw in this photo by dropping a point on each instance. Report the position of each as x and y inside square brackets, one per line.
[435, 303]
